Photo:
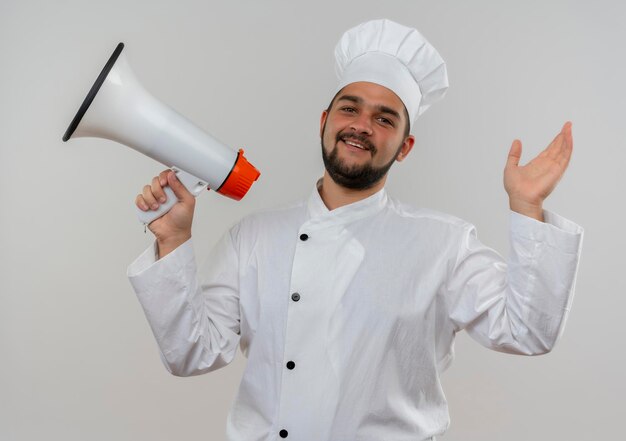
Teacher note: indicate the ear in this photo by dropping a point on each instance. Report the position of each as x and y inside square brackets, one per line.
[406, 148]
[323, 121]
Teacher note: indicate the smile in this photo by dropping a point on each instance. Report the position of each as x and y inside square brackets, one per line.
[354, 144]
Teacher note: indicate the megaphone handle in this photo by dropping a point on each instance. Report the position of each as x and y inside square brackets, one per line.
[191, 183]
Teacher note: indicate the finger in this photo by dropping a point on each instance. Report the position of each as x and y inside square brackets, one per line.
[157, 190]
[568, 146]
[569, 139]
[556, 147]
[163, 177]
[562, 144]
[515, 153]
[141, 203]
[178, 188]
[149, 197]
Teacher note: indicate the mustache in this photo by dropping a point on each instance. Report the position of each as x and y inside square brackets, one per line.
[361, 139]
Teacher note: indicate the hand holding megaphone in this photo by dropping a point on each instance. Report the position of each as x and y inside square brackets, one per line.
[173, 228]
[118, 108]
[190, 183]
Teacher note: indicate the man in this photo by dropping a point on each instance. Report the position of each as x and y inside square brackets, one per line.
[346, 304]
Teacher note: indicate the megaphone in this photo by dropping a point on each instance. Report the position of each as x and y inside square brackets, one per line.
[118, 108]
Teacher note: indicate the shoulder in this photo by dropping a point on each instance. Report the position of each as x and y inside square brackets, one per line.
[277, 218]
[425, 216]
[271, 228]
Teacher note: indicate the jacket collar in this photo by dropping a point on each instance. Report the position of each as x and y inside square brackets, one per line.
[320, 215]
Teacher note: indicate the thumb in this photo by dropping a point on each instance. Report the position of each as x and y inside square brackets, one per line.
[181, 192]
[515, 153]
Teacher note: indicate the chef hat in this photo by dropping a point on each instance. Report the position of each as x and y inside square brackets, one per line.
[396, 57]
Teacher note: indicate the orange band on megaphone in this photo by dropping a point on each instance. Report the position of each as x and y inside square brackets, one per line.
[240, 178]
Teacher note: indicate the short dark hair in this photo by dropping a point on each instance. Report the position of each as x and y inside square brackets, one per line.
[407, 126]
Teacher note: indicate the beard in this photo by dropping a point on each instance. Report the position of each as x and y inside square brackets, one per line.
[354, 177]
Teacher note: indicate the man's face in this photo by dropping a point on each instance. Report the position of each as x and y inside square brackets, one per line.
[362, 134]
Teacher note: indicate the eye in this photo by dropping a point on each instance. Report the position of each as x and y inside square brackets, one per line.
[385, 121]
[348, 109]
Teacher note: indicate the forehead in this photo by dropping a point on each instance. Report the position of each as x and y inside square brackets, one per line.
[372, 94]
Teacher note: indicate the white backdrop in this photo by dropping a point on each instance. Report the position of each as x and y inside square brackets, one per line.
[78, 360]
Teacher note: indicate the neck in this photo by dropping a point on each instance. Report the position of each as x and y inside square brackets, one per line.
[335, 196]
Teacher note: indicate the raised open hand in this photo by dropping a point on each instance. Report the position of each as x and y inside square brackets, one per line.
[529, 185]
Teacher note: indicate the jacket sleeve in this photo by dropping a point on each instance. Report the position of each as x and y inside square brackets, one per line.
[519, 306]
[195, 322]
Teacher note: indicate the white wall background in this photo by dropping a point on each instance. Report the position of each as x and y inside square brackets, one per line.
[77, 359]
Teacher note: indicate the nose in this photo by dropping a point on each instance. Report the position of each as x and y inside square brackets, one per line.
[362, 124]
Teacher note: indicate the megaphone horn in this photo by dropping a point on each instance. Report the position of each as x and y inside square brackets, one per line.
[118, 108]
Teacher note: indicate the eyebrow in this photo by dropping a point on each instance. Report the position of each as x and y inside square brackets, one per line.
[380, 107]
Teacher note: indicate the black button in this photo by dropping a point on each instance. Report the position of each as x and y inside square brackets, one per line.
[304, 236]
[283, 433]
[290, 365]
[295, 296]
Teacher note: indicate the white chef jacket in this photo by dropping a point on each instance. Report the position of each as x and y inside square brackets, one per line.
[347, 317]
